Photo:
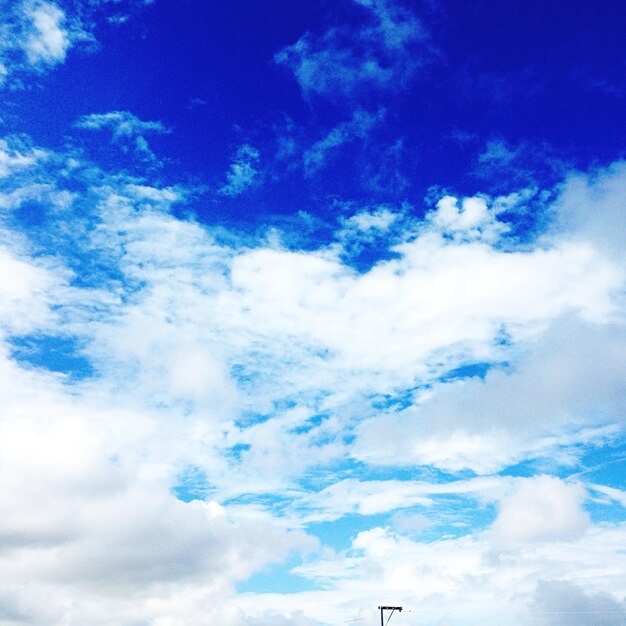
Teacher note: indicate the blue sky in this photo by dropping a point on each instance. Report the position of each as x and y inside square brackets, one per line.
[308, 307]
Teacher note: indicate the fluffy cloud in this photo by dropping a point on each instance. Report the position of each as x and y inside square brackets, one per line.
[568, 379]
[541, 508]
[258, 368]
[36, 35]
[463, 580]
[48, 41]
[562, 603]
[88, 520]
[25, 304]
[271, 308]
[379, 219]
[591, 207]
[473, 220]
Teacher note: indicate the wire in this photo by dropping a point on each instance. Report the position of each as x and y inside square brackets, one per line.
[525, 613]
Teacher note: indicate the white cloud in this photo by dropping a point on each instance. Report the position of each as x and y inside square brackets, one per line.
[49, 40]
[410, 523]
[541, 508]
[616, 495]
[17, 197]
[591, 207]
[243, 172]
[36, 35]
[14, 158]
[87, 521]
[121, 123]
[568, 378]
[519, 164]
[272, 308]
[127, 130]
[372, 497]
[473, 220]
[271, 618]
[256, 365]
[24, 302]
[357, 128]
[428, 298]
[462, 579]
[561, 603]
[383, 53]
[167, 195]
[379, 219]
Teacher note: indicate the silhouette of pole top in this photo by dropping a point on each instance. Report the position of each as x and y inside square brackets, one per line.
[388, 608]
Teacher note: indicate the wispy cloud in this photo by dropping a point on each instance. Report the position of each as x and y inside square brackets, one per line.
[358, 127]
[126, 129]
[15, 155]
[243, 172]
[121, 123]
[517, 165]
[383, 52]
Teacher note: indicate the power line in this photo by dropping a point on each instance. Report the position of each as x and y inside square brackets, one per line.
[452, 612]
[392, 609]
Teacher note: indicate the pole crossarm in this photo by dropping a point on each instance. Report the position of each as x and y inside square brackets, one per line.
[388, 608]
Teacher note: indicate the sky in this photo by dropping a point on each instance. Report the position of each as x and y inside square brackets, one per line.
[312, 306]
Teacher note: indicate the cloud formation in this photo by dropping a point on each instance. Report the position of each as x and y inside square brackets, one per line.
[564, 603]
[541, 508]
[243, 172]
[126, 129]
[36, 35]
[383, 52]
[358, 127]
[48, 41]
[351, 397]
[260, 376]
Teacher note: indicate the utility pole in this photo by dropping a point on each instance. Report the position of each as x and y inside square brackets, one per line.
[388, 608]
